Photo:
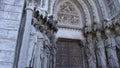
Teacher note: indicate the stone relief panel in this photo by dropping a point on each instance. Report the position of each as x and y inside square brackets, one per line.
[68, 14]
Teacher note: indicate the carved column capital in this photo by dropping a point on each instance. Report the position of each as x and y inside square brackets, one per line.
[107, 24]
[87, 29]
[29, 5]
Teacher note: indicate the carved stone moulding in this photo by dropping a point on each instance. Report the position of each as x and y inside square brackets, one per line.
[70, 33]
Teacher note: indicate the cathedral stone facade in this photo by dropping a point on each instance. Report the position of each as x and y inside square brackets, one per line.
[59, 33]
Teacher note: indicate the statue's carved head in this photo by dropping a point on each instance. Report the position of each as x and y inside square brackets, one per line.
[108, 33]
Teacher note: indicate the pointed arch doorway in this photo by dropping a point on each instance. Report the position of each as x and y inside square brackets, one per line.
[70, 54]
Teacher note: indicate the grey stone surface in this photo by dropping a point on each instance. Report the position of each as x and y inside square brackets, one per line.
[6, 56]
[5, 65]
[11, 25]
[7, 45]
[10, 20]
[3, 15]
[7, 1]
[12, 34]
[12, 8]
[3, 33]
[10, 16]
[14, 16]
[19, 3]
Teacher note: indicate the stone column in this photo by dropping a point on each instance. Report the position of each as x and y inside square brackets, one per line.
[90, 52]
[100, 51]
[46, 50]
[26, 36]
[38, 59]
[53, 51]
[111, 50]
[32, 46]
[117, 39]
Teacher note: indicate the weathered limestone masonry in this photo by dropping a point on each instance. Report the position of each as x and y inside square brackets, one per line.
[10, 18]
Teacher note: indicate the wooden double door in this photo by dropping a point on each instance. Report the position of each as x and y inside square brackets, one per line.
[69, 54]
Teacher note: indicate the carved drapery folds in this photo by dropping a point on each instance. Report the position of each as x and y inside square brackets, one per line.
[90, 52]
[43, 53]
[105, 39]
[111, 50]
[100, 51]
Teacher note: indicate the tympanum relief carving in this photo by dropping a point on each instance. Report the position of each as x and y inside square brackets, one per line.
[68, 14]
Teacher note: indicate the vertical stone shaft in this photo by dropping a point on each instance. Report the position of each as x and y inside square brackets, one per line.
[26, 35]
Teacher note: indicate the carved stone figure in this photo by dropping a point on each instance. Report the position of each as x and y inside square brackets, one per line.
[52, 25]
[47, 49]
[117, 29]
[43, 46]
[39, 51]
[32, 45]
[111, 50]
[100, 51]
[117, 39]
[90, 52]
[53, 51]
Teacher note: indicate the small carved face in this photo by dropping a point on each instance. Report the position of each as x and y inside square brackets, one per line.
[89, 36]
[108, 33]
[117, 29]
[98, 35]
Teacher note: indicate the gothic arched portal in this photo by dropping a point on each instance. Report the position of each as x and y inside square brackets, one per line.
[70, 54]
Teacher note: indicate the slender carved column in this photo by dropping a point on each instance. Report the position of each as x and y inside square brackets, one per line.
[100, 51]
[90, 52]
[39, 56]
[111, 50]
[52, 37]
[26, 35]
[117, 39]
[117, 30]
[32, 46]
[47, 45]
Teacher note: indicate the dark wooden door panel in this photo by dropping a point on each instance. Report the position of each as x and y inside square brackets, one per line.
[69, 54]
